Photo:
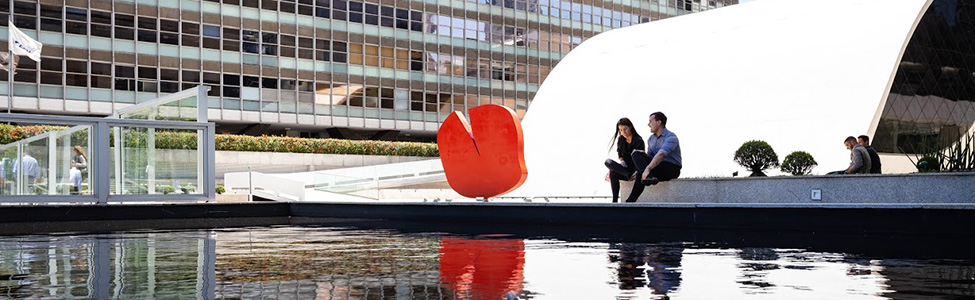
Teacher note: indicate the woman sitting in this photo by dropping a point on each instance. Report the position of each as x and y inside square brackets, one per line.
[626, 140]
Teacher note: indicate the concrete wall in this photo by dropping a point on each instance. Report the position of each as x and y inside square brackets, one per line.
[928, 188]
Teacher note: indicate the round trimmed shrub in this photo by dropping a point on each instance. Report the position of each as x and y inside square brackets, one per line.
[798, 163]
[756, 156]
[928, 164]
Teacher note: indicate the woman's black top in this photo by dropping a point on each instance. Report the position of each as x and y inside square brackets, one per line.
[624, 149]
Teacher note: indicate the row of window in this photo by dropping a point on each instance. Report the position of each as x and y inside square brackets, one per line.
[360, 12]
[151, 79]
[149, 29]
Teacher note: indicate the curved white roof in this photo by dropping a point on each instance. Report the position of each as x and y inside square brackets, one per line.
[799, 74]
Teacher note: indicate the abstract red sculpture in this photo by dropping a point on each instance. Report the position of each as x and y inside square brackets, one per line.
[486, 157]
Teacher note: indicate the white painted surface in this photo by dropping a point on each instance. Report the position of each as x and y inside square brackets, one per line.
[799, 74]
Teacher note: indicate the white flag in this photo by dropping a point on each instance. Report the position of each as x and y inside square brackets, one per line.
[21, 44]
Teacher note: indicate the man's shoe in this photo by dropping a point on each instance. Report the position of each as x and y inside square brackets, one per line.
[650, 181]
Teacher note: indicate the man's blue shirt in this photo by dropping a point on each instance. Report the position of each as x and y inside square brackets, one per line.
[666, 143]
[30, 166]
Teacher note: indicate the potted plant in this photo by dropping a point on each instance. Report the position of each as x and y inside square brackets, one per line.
[798, 163]
[756, 156]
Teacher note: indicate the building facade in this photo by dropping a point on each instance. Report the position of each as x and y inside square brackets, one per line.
[382, 69]
[931, 102]
[773, 71]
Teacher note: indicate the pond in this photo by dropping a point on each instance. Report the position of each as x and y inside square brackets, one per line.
[383, 260]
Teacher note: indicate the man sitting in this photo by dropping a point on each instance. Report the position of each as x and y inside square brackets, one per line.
[661, 162]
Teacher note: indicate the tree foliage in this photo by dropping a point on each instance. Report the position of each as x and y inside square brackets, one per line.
[756, 156]
[798, 163]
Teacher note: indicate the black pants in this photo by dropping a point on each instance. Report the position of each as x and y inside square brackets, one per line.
[663, 172]
[617, 172]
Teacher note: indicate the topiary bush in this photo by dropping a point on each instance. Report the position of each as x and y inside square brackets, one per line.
[928, 164]
[756, 156]
[228, 142]
[798, 163]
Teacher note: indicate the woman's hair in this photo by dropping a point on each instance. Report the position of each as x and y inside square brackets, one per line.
[616, 133]
[81, 152]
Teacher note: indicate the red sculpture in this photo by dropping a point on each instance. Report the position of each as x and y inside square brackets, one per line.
[486, 157]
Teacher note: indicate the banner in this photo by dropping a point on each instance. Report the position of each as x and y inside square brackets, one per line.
[21, 44]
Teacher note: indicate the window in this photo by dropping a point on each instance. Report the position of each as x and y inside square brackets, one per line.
[51, 18]
[169, 32]
[269, 83]
[147, 73]
[251, 81]
[231, 39]
[101, 30]
[191, 76]
[101, 68]
[51, 24]
[80, 70]
[123, 78]
[124, 72]
[231, 79]
[191, 34]
[168, 74]
[50, 64]
[213, 78]
[211, 31]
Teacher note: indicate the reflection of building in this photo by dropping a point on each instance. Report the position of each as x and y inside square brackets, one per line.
[301, 67]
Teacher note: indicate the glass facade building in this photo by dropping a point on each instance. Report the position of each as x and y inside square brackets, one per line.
[339, 68]
[932, 98]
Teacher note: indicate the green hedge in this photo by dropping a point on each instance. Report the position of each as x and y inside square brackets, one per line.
[227, 142]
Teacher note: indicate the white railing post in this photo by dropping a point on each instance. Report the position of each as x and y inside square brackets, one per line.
[52, 168]
[100, 183]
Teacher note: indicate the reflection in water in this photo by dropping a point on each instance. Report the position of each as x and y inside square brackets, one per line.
[482, 269]
[294, 262]
[649, 265]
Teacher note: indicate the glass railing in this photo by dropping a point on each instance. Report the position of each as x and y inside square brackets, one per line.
[45, 160]
[138, 154]
[369, 181]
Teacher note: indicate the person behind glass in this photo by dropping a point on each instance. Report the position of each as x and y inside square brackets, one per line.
[661, 161]
[3, 176]
[78, 158]
[626, 140]
[30, 168]
[864, 141]
[74, 177]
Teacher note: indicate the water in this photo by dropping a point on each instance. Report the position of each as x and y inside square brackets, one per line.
[380, 260]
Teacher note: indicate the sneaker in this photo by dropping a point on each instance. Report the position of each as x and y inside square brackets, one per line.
[650, 181]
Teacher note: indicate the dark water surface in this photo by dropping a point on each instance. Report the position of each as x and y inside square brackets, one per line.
[382, 260]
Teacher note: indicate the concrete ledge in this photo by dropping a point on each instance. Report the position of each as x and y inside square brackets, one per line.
[928, 188]
[952, 220]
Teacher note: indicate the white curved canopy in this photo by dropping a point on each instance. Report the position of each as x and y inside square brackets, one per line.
[799, 74]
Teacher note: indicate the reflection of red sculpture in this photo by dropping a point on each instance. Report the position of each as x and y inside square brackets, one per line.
[485, 158]
[482, 269]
